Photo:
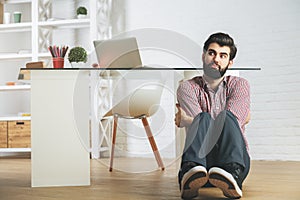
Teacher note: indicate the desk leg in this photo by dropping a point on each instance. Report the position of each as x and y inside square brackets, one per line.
[60, 128]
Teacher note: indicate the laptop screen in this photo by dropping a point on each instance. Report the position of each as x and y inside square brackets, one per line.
[118, 53]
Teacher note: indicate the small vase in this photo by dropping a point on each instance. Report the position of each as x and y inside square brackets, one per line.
[78, 65]
[80, 16]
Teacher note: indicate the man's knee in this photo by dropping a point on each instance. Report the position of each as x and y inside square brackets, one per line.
[227, 115]
[204, 115]
[227, 120]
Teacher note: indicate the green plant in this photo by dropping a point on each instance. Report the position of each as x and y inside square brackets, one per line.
[81, 11]
[77, 54]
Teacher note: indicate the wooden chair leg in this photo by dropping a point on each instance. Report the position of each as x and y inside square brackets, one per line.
[152, 143]
[115, 125]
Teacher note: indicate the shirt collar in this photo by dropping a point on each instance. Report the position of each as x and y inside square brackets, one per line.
[203, 83]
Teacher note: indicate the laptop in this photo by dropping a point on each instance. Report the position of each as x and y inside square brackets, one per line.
[118, 53]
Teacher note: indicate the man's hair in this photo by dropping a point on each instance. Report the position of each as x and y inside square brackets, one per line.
[222, 39]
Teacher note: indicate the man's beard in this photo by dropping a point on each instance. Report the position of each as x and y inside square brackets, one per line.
[214, 73]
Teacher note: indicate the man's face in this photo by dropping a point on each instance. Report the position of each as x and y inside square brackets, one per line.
[216, 60]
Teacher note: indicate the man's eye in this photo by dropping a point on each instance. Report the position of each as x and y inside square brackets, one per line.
[211, 53]
[223, 56]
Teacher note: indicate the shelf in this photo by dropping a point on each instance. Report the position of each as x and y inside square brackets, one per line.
[14, 87]
[13, 56]
[14, 118]
[13, 150]
[14, 1]
[16, 27]
[66, 23]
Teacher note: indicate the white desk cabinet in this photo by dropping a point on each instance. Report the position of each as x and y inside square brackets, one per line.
[60, 128]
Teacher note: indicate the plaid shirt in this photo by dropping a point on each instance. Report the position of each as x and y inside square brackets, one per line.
[233, 94]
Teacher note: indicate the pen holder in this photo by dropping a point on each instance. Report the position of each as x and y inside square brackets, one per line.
[58, 62]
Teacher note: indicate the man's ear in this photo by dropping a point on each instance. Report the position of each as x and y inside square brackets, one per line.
[230, 63]
[203, 54]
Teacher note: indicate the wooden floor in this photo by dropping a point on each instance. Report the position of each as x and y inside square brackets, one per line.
[267, 180]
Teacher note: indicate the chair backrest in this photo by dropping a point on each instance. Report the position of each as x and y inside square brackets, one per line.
[142, 90]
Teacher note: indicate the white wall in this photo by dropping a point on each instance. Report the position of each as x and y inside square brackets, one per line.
[267, 36]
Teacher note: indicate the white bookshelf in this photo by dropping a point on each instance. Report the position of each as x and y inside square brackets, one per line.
[13, 150]
[14, 118]
[14, 1]
[8, 88]
[17, 117]
[16, 27]
[14, 87]
[66, 23]
[42, 26]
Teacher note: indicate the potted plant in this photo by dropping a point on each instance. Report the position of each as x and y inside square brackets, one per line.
[81, 12]
[77, 55]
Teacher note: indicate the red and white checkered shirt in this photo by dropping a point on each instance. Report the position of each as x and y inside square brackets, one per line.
[233, 94]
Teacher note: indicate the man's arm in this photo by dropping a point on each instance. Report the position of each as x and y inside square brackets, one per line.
[188, 105]
[181, 119]
[239, 101]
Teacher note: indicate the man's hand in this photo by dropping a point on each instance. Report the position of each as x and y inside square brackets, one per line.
[248, 118]
[181, 118]
[178, 115]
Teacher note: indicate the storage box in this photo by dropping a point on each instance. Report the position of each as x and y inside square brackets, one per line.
[24, 74]
[3, 134]
[19, 134]
[38, 64]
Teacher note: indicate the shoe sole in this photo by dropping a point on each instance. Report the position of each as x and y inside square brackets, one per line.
[195, 179]
[225, 181]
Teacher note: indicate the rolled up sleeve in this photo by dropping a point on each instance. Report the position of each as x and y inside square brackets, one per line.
[187, 97]
[238, 101]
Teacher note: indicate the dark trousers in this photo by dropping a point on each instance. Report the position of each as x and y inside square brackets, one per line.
[215, 143]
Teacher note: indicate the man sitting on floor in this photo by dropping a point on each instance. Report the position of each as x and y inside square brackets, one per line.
[214, 108]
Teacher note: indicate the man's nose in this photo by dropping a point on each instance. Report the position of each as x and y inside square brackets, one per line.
[217, 58]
